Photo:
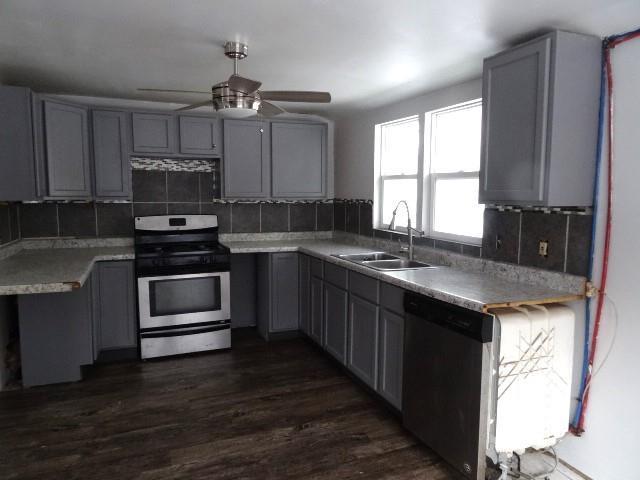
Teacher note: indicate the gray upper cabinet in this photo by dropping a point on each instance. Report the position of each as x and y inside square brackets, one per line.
[538, 132]
[17, 182]
[246, 161]
[199, 135]
[111, 161]
[67, 150]
[299, 160]
[153, 133]
[335, 322]
[115, 318]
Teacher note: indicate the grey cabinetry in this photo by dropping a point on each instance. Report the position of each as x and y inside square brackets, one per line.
[67, 151]
[246, 160]
[316, 310]
[538, 132]
[299, 160]
[391, 344]
[304, 289]
[17, 164]
[115, 319]
[153, 133]
[335, 321]
[199, 135]
[277, 293]
[111, 161]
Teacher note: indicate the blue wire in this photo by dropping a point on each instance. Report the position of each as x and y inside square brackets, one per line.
[587, 323]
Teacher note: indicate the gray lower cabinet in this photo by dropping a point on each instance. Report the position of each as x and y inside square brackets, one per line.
[110, 159]
[299, 160]
[277, 293]
[390, 358]
[304, 290]
[17, 163]
[199, 135]
[335, 321]
[316, 306]
[538, 133]
[67, 150]
[115, 320]
[246, 162]
[153, 133]
[363, 339]
[55, 336]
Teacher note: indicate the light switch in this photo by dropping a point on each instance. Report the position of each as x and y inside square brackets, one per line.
[543, 248]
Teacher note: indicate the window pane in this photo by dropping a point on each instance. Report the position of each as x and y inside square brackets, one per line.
[456, 208]
[394, 191]
[455, 137]
[399, 148]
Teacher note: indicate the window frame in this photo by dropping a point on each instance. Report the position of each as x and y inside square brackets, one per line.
[432, 177]
[380, 179]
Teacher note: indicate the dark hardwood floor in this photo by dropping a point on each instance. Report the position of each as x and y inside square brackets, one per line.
[258, 411]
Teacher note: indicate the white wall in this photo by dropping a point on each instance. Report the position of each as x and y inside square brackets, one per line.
[354, 142]
[609, 448]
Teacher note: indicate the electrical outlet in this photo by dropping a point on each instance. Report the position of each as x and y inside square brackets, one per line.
[498, 242]
[543, 248]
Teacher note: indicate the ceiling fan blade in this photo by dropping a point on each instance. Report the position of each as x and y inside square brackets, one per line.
[269, 109]
[244, 85]
[195, 105]
[296, 96]
[170, 91]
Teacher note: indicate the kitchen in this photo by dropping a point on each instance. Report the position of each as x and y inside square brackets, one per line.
[357, 310]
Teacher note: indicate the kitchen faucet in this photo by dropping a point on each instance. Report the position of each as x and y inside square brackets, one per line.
[410, 229]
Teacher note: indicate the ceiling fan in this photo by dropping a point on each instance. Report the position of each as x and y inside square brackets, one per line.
[240, 97]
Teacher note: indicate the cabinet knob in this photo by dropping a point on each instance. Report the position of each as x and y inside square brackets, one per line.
[213, 145]
[262, 130]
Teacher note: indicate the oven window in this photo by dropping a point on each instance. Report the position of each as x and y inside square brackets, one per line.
[184, 295]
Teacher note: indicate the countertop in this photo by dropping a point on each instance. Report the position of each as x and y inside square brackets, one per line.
[52, 270]
[475, 291]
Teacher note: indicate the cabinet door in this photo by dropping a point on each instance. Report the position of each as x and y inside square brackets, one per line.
[304, 288]
[111, 162]
[17, 164]
[67, 150]
[299, 160]
[284, 292]
[317, 318]
[114, 296]
[363, 340]
[335, 321]
[515, 103]
[199, 135]
[391, 351]
[246, 159]
[153, 133]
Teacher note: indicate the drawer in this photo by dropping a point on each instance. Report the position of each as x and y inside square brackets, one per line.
[316, 267]
[336, 275]
[363, 286]
[391, 298]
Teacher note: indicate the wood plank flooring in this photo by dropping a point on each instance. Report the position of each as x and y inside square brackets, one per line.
[259, 411]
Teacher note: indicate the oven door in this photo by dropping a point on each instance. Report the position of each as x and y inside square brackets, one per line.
[171, 300]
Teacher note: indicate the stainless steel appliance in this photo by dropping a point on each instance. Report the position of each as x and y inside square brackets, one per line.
[446, 380]
[183, 285]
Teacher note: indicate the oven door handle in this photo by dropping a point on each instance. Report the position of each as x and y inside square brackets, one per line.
[183, 332]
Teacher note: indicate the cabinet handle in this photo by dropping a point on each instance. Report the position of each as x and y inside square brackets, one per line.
[262, 130]
[213, 145]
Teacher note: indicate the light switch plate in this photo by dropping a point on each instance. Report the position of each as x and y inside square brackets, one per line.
[543, 248]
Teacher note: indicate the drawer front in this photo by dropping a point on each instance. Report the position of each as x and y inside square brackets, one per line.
[391, 298]
[316, 268]
[363, 286]
[335, 275]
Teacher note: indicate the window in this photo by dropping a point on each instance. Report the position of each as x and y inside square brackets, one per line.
[398, 169]
[440, 181]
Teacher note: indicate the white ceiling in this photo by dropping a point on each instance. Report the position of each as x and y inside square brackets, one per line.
[366, 52]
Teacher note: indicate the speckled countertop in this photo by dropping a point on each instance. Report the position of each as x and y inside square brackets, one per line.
[472, 290]
[51, 270]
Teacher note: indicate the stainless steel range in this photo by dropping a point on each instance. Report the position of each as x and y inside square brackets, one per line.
[183, 285]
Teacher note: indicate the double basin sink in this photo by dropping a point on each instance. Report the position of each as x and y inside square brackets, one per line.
[384, 261]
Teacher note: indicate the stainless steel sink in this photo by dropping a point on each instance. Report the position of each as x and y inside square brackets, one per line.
[383, 261]
[397, 264]
[368, 257]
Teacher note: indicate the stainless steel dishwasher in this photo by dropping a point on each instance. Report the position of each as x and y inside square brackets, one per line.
[446, 380]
